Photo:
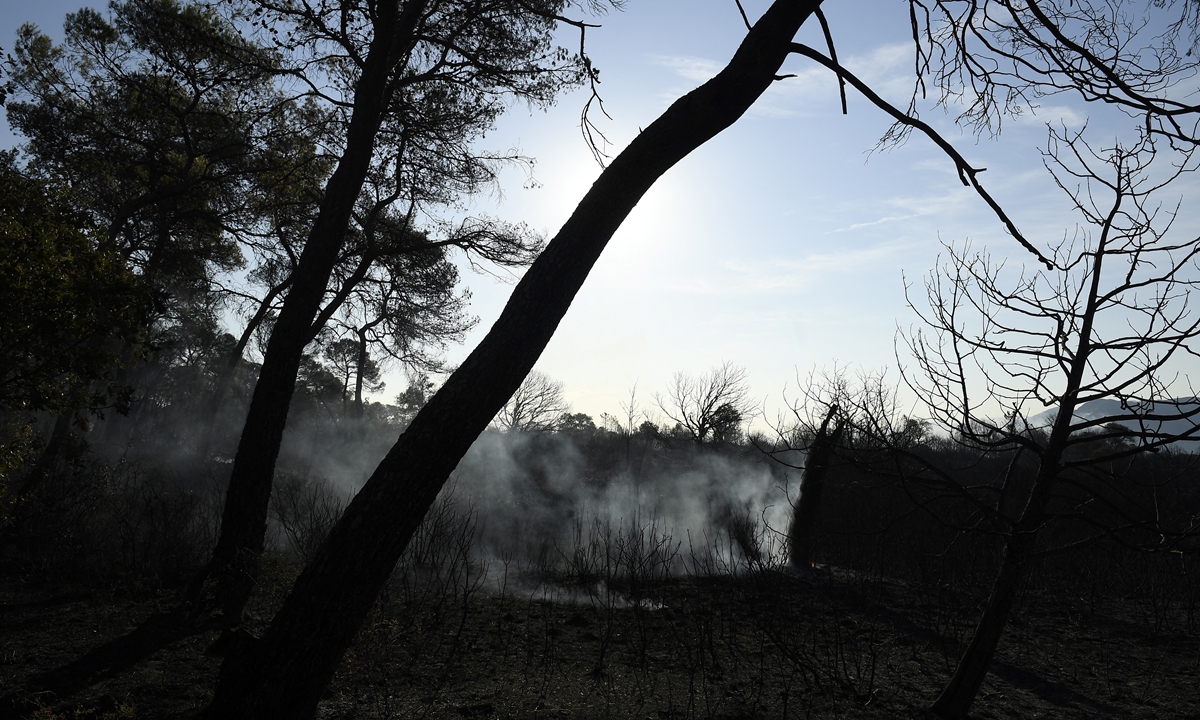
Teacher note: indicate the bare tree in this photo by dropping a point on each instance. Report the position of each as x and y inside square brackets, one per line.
[1108, 323]
[709, 408]
[536, 406]
[998, 59]
[636, 429]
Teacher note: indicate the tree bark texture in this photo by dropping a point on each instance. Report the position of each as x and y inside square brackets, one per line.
[283, 674]
[233, 570]
[812, 489]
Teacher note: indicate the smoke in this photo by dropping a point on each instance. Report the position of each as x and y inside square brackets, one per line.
[540, 496]
[536, 500]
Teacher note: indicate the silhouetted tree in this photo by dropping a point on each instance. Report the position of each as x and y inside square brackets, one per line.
[413, 398]
[1106, 323]
[807, 510]
[711, 407]
[348, 358]
[170, 127]
[417, 82]
[404, 306]
[167, 124]
[318, 383]
[578, 424]
[537, 405]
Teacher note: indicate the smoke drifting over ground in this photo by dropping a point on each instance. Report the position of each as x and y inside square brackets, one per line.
[526, 502]
[540, 497]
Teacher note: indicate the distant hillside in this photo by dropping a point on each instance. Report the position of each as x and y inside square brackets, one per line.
[1098, 409]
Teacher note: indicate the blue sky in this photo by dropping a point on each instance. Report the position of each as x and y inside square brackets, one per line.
[780, 245]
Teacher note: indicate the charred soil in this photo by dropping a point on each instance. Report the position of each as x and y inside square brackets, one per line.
[764, 644]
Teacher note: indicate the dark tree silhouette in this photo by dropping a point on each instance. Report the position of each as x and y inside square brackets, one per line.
[283, 674]
[355, 369]
[1105, 324]
[420, 80]
[812, 489]
[710, 407]
[167, 124]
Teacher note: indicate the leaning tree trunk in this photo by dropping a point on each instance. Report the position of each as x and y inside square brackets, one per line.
[960, 692]
[233, 570]
[812, 489]
[283, 674]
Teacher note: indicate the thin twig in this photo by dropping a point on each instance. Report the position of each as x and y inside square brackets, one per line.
[833, 57]
[742, 10]
[966, 173]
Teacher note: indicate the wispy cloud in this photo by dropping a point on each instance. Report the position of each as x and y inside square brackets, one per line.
[1053, 114]
[790, 275]
[884, 68]
[885, 62]
[880, 221]
[688, 67]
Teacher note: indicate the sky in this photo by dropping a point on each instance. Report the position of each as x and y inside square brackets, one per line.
[784, 244]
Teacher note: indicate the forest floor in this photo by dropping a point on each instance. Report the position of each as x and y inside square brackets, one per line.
[763, 645]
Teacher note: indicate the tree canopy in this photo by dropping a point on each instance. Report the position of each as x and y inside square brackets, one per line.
[72, 305]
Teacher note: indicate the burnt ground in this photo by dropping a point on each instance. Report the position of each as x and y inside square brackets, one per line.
[761, 645]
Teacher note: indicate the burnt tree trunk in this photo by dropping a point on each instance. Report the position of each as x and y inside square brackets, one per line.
[812, 488]
[960, 692]
[283, 674]
[358, 375]
[233, 570]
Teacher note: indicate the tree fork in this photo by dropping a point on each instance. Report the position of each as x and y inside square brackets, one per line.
[283, 674]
